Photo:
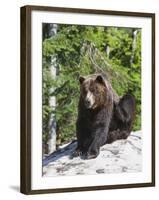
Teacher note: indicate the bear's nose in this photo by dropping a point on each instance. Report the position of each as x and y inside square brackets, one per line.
[87, 103]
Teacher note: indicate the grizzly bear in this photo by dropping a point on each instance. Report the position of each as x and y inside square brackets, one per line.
[102, 116]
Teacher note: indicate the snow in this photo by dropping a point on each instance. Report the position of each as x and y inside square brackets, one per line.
[120, 156]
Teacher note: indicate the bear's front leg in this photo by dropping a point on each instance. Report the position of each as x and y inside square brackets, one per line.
[98, 138]
[93, 149]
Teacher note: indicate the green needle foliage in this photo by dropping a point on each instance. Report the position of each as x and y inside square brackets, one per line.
[82, 50]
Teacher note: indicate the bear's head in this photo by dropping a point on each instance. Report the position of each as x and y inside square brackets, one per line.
[94, 91]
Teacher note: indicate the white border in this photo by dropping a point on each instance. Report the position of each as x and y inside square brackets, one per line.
[39, 182]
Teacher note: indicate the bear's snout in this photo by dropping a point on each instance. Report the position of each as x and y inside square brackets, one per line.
[88, 103]
[89, 100]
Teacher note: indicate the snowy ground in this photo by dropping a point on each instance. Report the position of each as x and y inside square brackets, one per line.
[120, 156]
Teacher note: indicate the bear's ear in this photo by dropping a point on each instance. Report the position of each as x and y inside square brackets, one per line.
[81, 79]
[100, 80]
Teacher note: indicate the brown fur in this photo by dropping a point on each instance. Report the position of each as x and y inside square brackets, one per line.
[103, 121]
[93, 122]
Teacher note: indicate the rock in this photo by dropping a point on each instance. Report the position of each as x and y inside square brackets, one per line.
[100, 171]
[119, 157]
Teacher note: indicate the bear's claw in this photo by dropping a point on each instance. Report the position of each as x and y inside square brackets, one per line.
[76, 153]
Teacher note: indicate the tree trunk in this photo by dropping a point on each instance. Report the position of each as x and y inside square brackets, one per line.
[133, 46]
[49, 30]
[107, 49]
[52, 104]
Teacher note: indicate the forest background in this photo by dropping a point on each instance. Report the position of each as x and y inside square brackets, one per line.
[70, 51]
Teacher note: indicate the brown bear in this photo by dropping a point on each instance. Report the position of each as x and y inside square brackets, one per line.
[100, 113]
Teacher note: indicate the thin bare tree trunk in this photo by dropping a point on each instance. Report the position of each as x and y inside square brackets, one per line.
[133, 47]
[49, 30]
[52, 120]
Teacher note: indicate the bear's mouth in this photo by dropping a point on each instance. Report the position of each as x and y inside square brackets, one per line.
[90, 106]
